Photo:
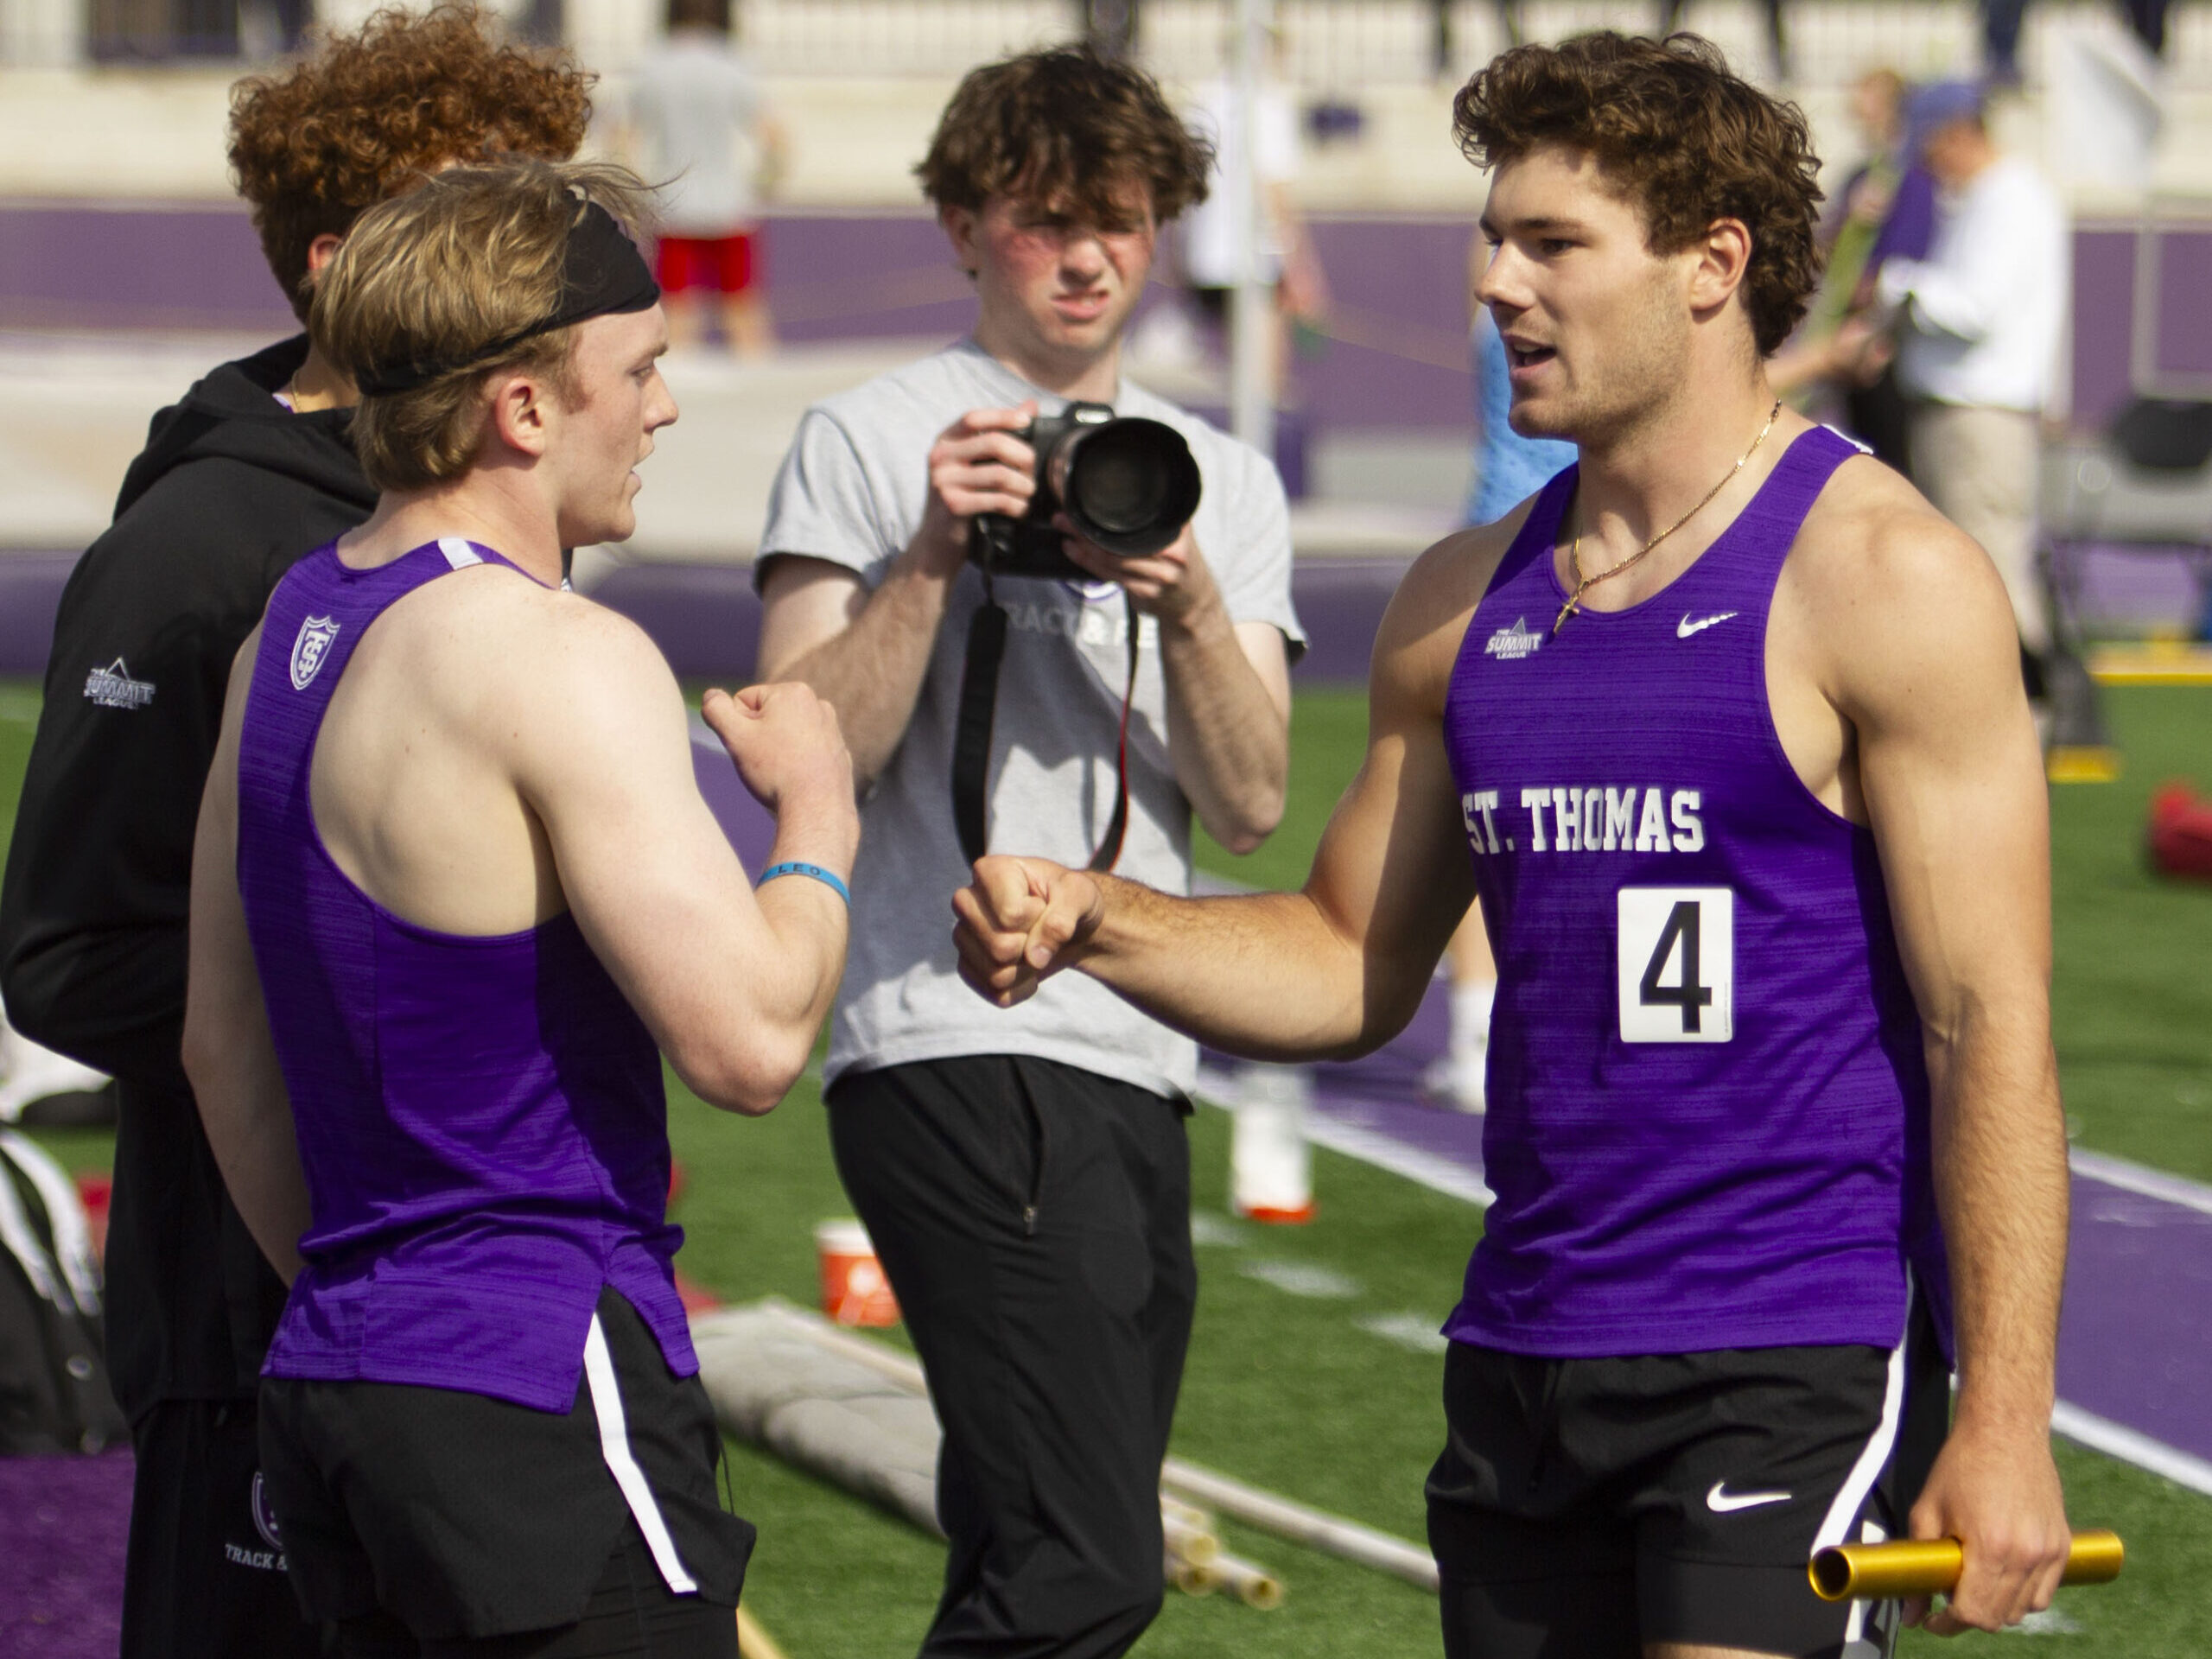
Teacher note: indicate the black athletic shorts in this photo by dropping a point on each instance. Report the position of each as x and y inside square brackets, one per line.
[462, 1517]
[1590, 1506]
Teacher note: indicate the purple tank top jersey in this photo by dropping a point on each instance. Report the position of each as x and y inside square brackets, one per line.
[1708, 1107]
[480, 1120]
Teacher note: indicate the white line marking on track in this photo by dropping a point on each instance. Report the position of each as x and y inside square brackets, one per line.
[1413, 1331]
[1207, 1228]
[2132, 1446]
[2083, 1427]
[1380, 1150]
[1303, 1278]
[2138, 1178]
[1217, 1088]
[2049, 1622]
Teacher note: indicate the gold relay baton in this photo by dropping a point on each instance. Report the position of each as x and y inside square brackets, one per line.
[1930, 1566]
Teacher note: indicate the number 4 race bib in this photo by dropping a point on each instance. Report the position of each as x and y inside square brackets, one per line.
[1677, 957]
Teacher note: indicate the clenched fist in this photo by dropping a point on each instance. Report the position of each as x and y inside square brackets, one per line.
[1020, 921]
[786, 744]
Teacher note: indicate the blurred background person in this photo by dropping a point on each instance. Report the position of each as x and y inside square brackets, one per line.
[1840, 364]
[1508, 468]
[1777, 30]
[1981, 322]
[1212, 231]
[1458, 1076]
[2000, 34]
[695, 124]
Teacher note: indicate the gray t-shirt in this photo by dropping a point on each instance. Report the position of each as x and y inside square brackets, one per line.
[851, 491]
[696, 106]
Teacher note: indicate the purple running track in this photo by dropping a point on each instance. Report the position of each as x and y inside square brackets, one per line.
[2134, 1346]
[62, 1524]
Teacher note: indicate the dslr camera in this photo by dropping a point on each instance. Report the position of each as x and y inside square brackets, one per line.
[1128, 485]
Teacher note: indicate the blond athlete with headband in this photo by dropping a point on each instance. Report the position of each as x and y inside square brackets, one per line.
[455, 893]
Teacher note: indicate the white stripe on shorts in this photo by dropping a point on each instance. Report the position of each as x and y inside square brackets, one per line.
[615, 1445]
[1851, 1497]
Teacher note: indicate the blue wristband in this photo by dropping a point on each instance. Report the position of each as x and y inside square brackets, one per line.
[792, 866]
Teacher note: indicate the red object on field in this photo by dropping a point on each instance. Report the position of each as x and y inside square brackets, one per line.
[675, 1182]
[95, 1190]
[696, 1299]
[2180, 833]
[853, 1288]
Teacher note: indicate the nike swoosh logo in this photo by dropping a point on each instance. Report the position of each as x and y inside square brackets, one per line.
[1720, 1501]
[1684, 628]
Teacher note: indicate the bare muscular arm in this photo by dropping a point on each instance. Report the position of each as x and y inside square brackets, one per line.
[1335, 970]
[734, 984]
[228, 1052]
[1925, 665]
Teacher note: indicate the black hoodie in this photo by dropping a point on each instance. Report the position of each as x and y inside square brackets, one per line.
[231, 489]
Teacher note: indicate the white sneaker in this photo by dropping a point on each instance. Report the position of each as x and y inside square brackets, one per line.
[1456, 1079]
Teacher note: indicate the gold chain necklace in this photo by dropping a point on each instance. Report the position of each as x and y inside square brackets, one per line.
[1583, 584]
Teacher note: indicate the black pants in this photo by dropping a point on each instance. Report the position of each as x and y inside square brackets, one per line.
[204, 1577]
[1034, 1220]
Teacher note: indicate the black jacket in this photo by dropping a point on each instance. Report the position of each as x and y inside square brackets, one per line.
[230, 490]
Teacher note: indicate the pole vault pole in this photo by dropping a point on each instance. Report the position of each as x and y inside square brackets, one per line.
[1251, 310]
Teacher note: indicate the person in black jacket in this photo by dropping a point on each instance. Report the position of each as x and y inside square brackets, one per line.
[252, 470]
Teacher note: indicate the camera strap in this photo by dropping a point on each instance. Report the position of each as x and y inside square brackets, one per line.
[971, 735]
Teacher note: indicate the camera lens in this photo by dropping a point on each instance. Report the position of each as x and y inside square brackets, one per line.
[1119, 490]
[1131, 486]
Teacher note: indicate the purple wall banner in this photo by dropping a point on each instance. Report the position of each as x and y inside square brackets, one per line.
[1392, 353]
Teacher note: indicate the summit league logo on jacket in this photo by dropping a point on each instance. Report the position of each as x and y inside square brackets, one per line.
[113, 688]
[310, 648]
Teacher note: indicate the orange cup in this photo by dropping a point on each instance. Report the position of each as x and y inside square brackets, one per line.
[853, 1288]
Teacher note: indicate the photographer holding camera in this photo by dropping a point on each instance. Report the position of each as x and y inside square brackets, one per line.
[1024, 1177]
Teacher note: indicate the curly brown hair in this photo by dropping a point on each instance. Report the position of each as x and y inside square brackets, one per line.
[371, 112]
[1064, 126]
[1681, 136]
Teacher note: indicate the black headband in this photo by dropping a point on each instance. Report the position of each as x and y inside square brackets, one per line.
[602, 272]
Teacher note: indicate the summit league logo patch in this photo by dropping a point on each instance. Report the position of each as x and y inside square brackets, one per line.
[310, 649]
[1511, 645]
[113, 688]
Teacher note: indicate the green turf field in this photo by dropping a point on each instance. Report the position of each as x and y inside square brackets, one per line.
[1310, 1372]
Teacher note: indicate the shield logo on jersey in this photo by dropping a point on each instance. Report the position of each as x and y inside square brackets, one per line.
[310, 648]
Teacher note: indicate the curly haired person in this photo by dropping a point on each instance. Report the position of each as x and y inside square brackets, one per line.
[249, 471]
[1725, 727]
